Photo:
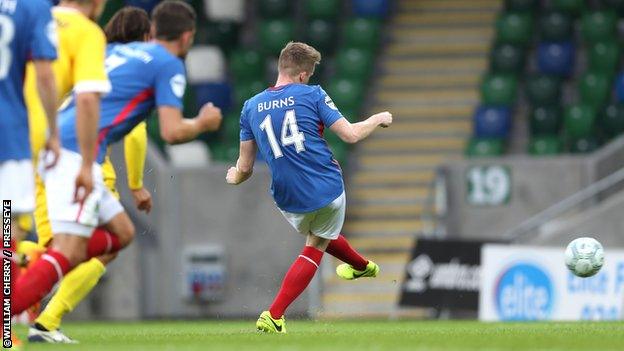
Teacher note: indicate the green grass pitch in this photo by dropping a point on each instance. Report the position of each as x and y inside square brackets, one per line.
[342, 335]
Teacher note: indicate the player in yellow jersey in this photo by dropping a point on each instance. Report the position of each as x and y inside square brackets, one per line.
[129, 24]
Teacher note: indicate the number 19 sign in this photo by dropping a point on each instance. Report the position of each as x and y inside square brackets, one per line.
[488, 185]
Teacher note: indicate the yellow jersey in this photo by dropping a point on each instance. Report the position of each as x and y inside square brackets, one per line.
[79, 67]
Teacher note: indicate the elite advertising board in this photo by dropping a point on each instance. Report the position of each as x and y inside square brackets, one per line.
[522, 283]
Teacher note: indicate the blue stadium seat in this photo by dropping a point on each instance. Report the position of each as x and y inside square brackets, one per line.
[556, 58]
[492, 122]
[220, 94]
[371, 8]
[147, 5]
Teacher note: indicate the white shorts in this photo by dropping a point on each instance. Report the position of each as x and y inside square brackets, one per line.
[67, 217]
[17, 183]
[326, 222]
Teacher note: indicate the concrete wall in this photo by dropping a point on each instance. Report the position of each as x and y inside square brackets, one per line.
[537, 183]
[194, 206]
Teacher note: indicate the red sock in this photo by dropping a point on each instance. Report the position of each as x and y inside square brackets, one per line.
[342, 250]
[15, 269]
[102, 242]
[296, 280]
[40, 278]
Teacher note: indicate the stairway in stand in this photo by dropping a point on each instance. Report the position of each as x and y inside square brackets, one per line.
[430, 68]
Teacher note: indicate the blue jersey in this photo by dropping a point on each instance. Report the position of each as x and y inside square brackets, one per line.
[27, 31]
[287, 124]
[143, 76]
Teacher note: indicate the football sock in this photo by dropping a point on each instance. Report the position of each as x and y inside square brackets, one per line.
[102, 242]
[38, 280]
[76, 285]
[296, 280]
[342, 250]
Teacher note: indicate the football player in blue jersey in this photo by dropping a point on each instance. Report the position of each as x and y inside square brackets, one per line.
[144, 76]
[27, 32]
[286, 124]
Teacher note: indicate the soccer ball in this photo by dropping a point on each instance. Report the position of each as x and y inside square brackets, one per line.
[584, 257]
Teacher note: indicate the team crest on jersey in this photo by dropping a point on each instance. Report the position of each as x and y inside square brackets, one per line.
[178, 85]
[330, 103]
[51, 33]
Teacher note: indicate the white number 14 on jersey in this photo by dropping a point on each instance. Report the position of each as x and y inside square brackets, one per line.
[289, 125]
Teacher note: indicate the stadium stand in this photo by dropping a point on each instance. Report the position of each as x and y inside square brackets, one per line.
[239, 66]
[431, 95]
[553, 64]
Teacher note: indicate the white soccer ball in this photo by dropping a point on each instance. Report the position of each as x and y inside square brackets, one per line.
[584, 257]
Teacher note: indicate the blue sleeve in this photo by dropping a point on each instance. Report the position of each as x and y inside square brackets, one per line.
[327, 109]
[245, 128]
[44, 36]
[170, 84]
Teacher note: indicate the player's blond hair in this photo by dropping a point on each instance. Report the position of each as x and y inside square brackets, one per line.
[297, 57]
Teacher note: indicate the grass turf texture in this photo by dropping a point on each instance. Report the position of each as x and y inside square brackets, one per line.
[342, 335]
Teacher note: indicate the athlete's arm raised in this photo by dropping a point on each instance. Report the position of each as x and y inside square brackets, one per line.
[175, 129]
[245, 163]
[353, 132]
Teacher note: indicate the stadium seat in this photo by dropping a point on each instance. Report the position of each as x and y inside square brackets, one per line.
[110, 8]
[612, 120]
[514, 28]
[521, 5]
[543, 90]
[361, 33]
[189, 101]
[498, 90]
[599, 26]
[583, 145]
[200, 72]
[354, 64]
[579, 121]
[191, 154]
[371, 8]
[545, 120]
[245, 90]
[231, 125]
[223, 34]
[147, 5]
[274, 8]
[321, 34]
[556, 58]
[507, 58]
[325, 9]
[230, 10]
[485, 147]
[594, 89]
[220, 94]
[617, 5]
[573, 7]
[619, 87]
[153, 132]
[544, 146]
[247, 65]
[556, 26]
[604, 56]
[346, 94]
[492, 122]
[274, 34]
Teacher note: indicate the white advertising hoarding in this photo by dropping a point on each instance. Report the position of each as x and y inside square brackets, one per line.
[520, 283]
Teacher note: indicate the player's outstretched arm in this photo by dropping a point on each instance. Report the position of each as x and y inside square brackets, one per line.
[353, 132]
[135, 151]
[175, 129]
[244, 165]
[46, 87]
